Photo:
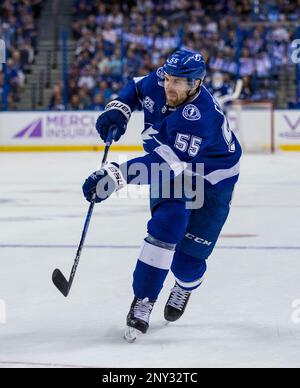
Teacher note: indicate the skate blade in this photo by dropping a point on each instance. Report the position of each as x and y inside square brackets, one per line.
[131, 334]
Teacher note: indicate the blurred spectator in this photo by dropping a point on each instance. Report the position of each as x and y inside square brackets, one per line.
[14, 77]
[74, 103]
[247, 89]
[98, 102]
[85, 99]
[18, 27]
[1, 90]
[86, 79]
[56, 99]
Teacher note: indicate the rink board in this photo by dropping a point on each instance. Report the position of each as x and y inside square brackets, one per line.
[61, 131]
[75, 131]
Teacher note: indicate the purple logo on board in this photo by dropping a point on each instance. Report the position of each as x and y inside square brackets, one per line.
[34, 129]
[293, 128]
[61, 126]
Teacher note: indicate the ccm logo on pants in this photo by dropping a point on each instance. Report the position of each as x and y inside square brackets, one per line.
[198, 239]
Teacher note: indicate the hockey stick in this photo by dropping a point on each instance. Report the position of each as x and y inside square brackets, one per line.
[58, 278]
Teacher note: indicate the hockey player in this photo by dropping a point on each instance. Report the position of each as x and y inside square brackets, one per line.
[184, 126]
[217, 87]
[222, 92]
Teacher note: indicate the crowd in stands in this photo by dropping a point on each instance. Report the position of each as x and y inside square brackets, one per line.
[118, 40]
[18, 28]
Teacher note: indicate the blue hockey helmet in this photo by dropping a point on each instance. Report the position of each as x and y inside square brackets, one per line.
[187, 64]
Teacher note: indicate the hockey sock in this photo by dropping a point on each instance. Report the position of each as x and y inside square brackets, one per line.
[152, 268]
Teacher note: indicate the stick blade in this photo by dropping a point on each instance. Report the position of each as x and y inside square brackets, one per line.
[60, 282]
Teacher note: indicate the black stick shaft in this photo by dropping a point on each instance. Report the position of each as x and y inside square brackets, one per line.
[87, 222]
[60, 281]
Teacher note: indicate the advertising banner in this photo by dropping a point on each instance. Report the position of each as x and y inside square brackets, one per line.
[61, 131]
[75, 131]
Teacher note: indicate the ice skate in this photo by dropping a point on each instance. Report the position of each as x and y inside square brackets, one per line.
[138, 318]
[176, 303]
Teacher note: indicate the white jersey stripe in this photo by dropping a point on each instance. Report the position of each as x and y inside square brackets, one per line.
[219, 175]
[171, 158]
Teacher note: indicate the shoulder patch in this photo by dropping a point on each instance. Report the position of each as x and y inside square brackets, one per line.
[160, 76]
[191, 112]
[160, 73]
[148, 103]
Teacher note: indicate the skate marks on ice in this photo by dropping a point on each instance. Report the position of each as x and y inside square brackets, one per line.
[131, 335]
[132, 246]
[82, 347]
[273, 345]
[31, 364]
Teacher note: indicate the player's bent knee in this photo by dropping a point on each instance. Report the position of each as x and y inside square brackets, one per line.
[169, 222]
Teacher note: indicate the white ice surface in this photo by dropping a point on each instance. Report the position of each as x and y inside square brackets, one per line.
[240, 317]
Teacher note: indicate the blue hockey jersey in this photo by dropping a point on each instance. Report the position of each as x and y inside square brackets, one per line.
[194, 132]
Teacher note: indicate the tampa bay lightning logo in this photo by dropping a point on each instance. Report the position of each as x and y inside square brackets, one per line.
[191, 112]
[196, 57]
[160, 73]
[160, 76]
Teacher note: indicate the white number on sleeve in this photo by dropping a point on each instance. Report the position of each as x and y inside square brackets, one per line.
[227, 133]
